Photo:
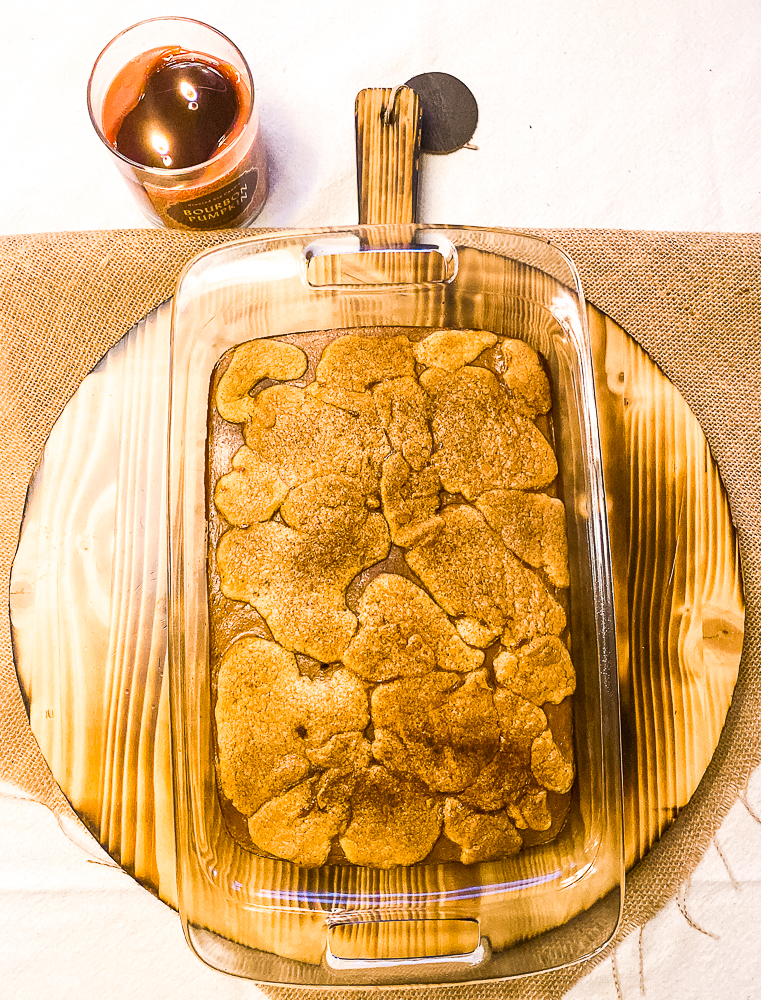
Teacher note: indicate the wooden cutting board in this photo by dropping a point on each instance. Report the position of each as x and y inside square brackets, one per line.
[88, 595]
[88, 592]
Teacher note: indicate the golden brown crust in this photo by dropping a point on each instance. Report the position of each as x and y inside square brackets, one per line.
[404, 633]
[483, 441]
[297, 581]
[269, 718]
[452, 349]
[523, 374]
[331, 508]
[409, 498]
[481, 836]
[520, 721]
[381, 528]
[356, 362]
[395, 820]
[404, 410]
[250, 363]
[502, 781]
[252, 492]
[302, 438]
[346, 756]
[532, 809]
[549, 766]
[540, 671]
[472, 575]
[292, 826]
[532, 525]
[442, 728]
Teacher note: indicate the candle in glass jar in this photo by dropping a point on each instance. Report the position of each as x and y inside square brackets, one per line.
[182, 125]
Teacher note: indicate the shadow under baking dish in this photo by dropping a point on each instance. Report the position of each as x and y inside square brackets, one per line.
[270, 920]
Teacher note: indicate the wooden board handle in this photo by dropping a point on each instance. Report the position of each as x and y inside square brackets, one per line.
[387, 126]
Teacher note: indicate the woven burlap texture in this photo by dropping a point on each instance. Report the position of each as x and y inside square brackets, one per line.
[693, 301]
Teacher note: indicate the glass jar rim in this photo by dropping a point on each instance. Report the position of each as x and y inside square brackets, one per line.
[169, 172]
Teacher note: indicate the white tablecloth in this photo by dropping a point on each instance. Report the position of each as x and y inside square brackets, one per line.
[641, 115]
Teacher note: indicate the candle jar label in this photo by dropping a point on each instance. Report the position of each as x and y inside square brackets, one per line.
[220, 208]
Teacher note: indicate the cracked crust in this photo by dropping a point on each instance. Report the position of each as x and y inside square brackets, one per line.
[441, 728]
[404, 410]
[371, 721]
[524, 376]
[502, 781]
[250, 363]
[484, 441]
[471, 574]
[395, 820]
[520, 720]
[269, 717]
[300, 437]
[533, 811]
[331, 507]
[294, 827]
[532, 525]
[409, 498]
[297, 580]
[404, 633]
[252, 492]
[480, 836]
[540, 671]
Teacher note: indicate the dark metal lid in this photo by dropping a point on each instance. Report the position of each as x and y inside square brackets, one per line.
[450, 112]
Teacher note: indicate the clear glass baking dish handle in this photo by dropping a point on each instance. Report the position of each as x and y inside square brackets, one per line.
[344, 261]
[418, 942]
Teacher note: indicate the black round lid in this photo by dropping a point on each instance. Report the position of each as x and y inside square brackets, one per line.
[450, 112]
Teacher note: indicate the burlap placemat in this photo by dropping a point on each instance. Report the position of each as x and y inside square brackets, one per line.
[693, 301]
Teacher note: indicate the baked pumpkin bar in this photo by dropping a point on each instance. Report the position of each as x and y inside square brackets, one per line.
[388, 568]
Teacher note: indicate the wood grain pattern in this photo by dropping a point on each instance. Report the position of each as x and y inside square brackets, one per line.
[677, 583]
[387, 150]
[404, 939]
[381, 267]
[93, 671]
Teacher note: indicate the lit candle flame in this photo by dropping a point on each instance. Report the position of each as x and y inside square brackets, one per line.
[161, 144]
[188, 91]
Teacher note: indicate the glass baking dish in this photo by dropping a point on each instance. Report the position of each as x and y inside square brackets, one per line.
[271, 920]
